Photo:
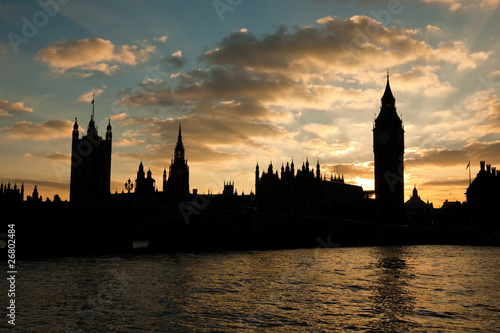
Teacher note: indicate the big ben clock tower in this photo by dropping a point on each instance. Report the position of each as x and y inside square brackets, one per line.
[388, 147]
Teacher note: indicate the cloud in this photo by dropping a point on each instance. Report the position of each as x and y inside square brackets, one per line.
[10, 109]
[60, 157]
[89, 55]
[461, 183]
[442, 157]
[488, 108]
[472, 117]
[254, 94]
[176, 59]
[457, 53]
[363, 170]
[89, 95]
[125, 142]
[254, 76]
[322, 130]
[47, 130]
[432, 29]
[454, 5]
[206, 137]
[162, 39]
[320, 148]
[202, 90]
[423, 79]
[337, 46]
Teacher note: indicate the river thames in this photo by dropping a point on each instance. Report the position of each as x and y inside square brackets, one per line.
[365, 289]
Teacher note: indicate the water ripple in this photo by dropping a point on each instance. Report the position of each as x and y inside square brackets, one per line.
[378, 289]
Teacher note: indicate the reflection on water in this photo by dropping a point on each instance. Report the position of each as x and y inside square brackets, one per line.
[392, 299]
[387, 289]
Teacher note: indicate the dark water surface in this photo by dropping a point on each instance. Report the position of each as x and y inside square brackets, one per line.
[372, 289]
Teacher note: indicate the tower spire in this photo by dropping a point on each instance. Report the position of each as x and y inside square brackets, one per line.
[179, 147]
[388, 98]
[91, 129]
[75, 127]
[179, 138]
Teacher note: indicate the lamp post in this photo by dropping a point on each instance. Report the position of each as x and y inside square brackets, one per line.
[129, 185]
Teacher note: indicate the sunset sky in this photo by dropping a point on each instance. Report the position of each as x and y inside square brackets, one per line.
[250, 81]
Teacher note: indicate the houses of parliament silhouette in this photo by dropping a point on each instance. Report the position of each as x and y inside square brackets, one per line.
[303, 191]
[291, 206]
[286, 190]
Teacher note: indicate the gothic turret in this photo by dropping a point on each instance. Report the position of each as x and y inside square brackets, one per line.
[177, 185]
[144, 186]
[108, 130]
[140, 173]
[91, 129]
[35, 194]
[75, 130]
[179, 147]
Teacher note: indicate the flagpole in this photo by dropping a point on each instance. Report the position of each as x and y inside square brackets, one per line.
[93, 99]
[468, 167]
[469, 173]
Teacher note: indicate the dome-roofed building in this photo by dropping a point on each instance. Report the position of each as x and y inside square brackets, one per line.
[418, 212]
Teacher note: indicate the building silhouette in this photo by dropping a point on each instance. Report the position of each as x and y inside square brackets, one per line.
[35, 197]
[388, 148]
[176, 187]
[292, 191]
[10, 194]
[144, 185]
[90, 164]
[228, 190]
[483, 197]
[291, 207]
[418, 212]
[305, 192]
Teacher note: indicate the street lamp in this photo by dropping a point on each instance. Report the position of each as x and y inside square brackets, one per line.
[129, 185]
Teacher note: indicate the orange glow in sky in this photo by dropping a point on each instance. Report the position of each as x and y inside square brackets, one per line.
[303, 81]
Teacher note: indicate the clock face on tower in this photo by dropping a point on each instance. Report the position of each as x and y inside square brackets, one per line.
[384, 137]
